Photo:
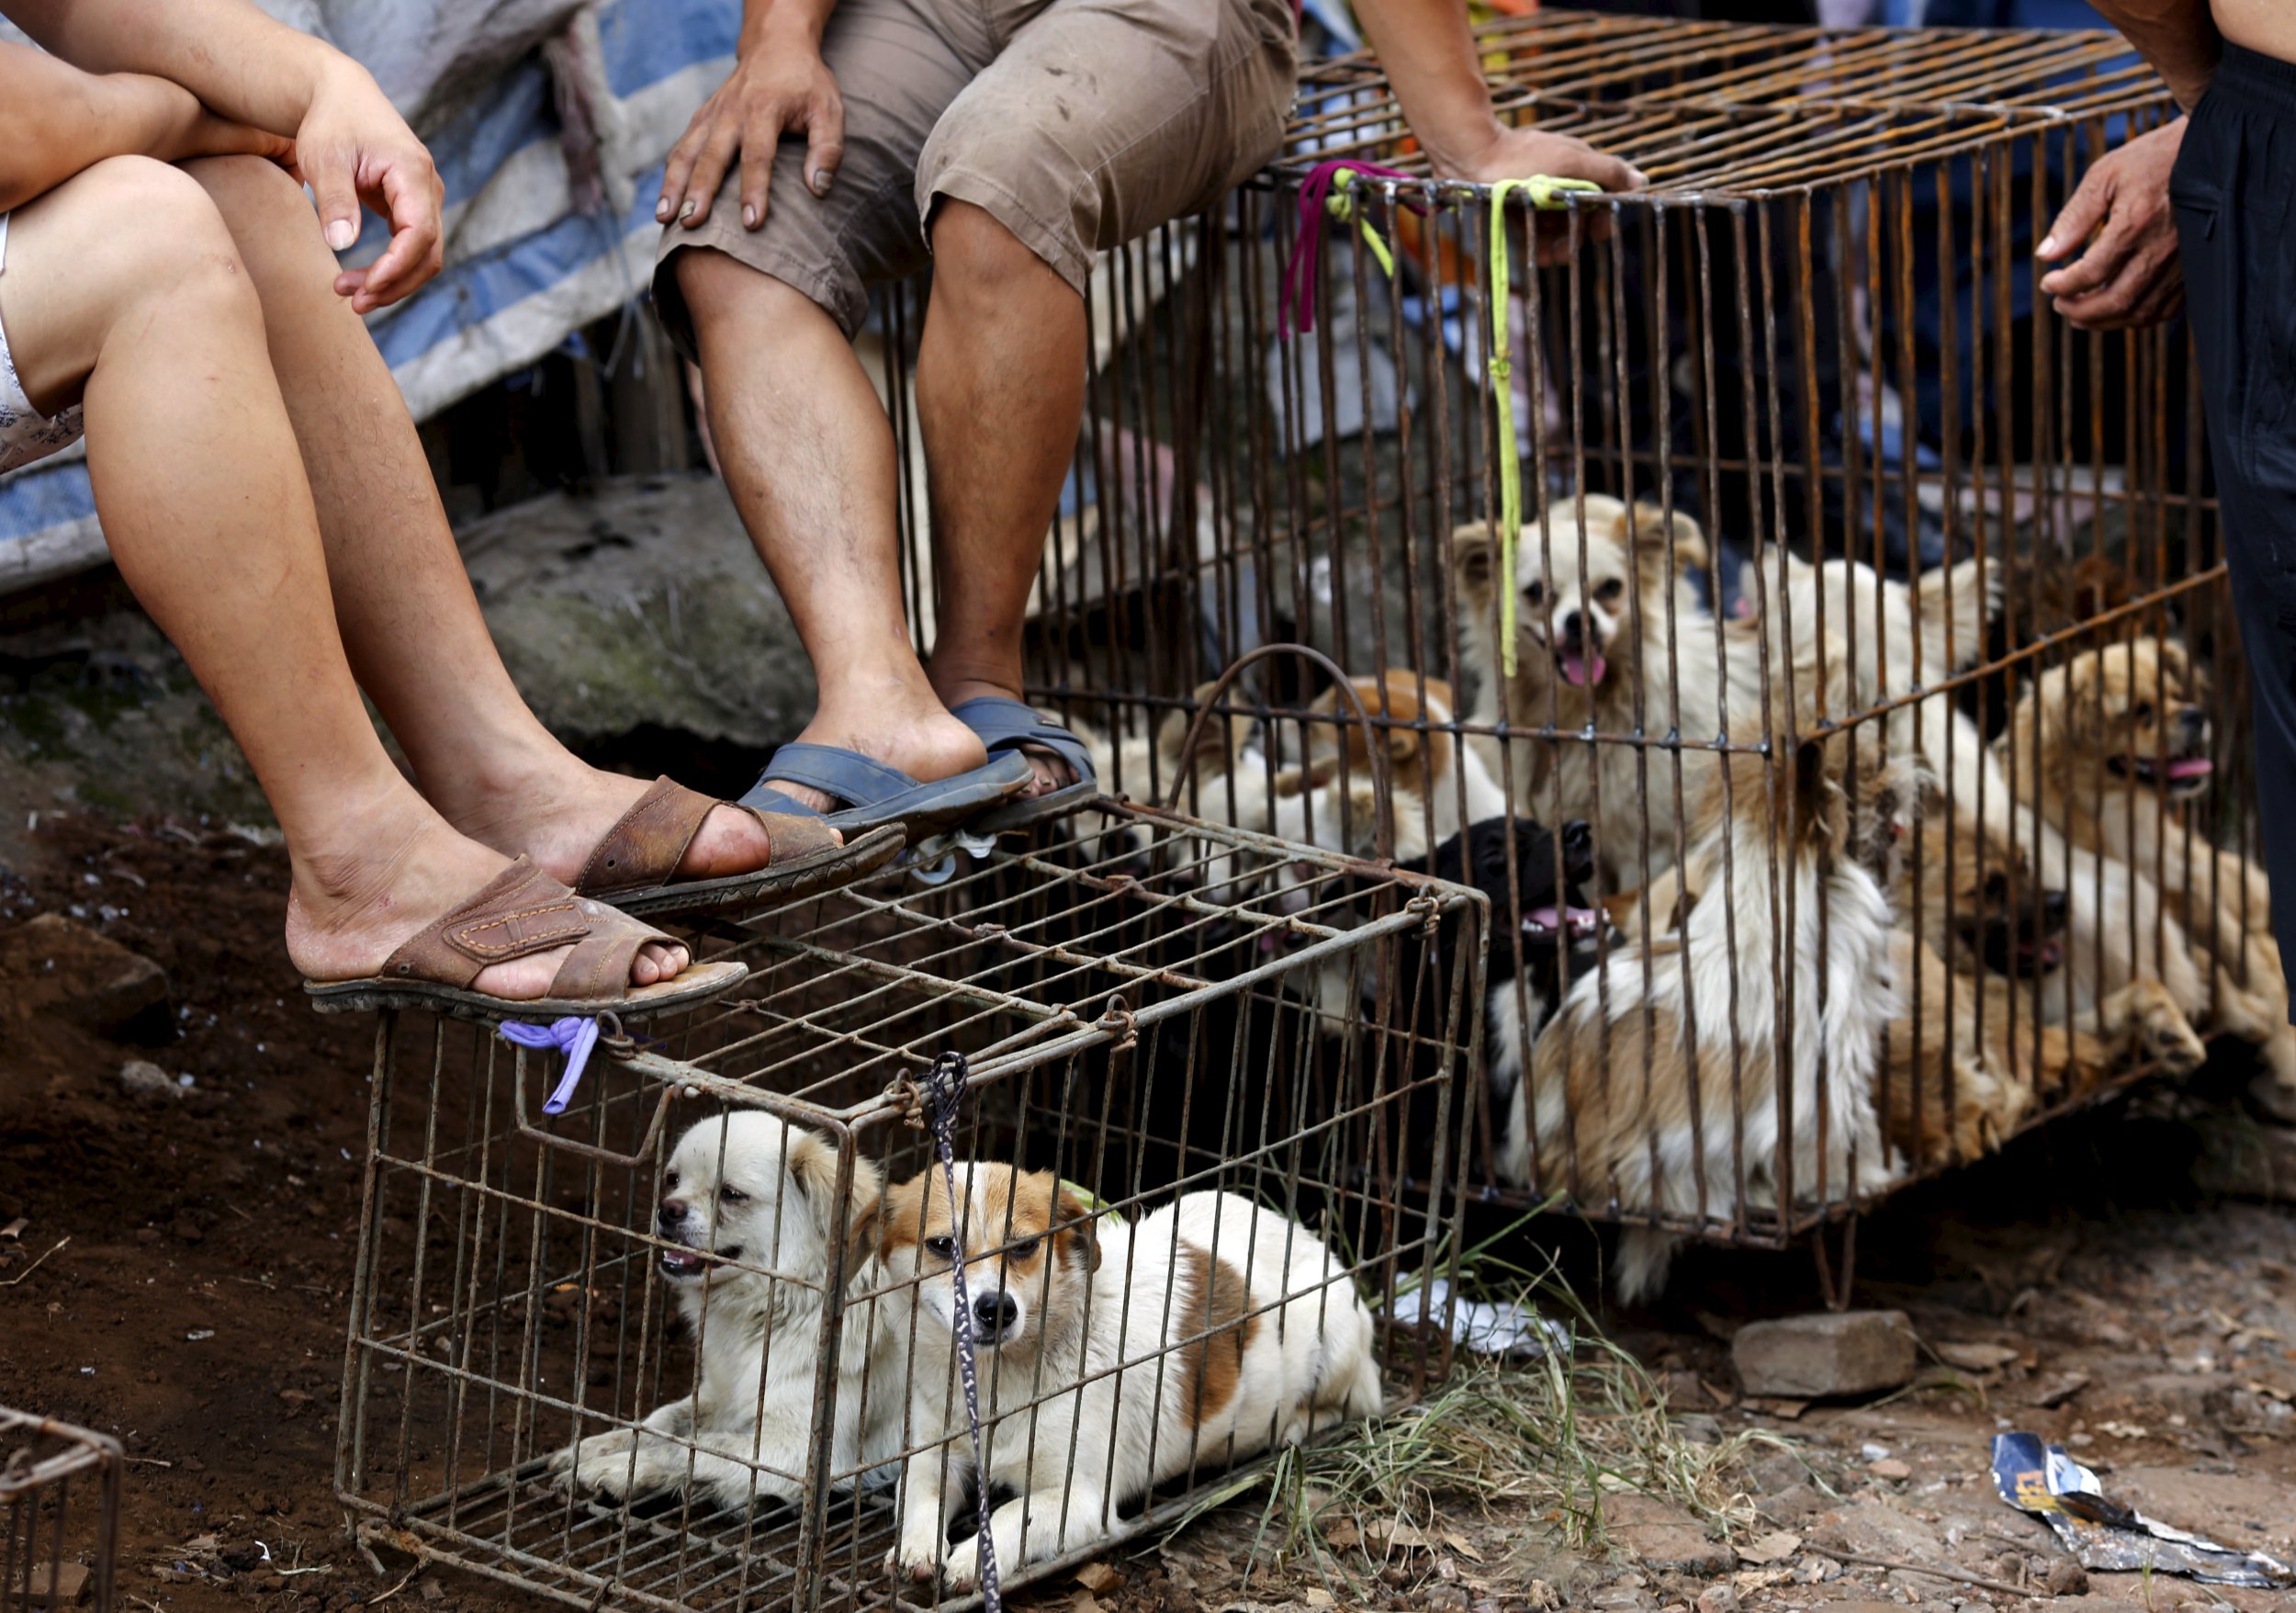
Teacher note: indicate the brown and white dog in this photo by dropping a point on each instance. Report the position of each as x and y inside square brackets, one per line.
[1658, 1084]
[1109, 1358]
[748, 1219]
[2110, 748]
[1611, 637]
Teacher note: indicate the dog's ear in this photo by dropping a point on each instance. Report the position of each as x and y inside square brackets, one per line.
[2182, 676]
[1298, 781]
[813, 1167]
[1074, 1226]
[1650, 529]
[1474, 556]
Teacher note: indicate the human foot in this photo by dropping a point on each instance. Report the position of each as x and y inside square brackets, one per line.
[927, 746]
[347, 913]
[1051, 772]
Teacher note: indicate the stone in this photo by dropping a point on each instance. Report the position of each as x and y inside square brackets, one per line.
[1890, 1468]
[1826, 1355]
[56, 965]
[640, 608]
[139, 1078]
[2247, 1161]
[2067, 1578]
[1665, 1537]
[70, 1585]
[1721, 1598]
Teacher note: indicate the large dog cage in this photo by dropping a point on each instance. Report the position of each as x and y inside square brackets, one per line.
[59, 1509]
[1153, 1010]
[1816, 488]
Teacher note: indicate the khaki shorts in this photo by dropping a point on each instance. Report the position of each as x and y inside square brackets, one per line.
[1078, 124]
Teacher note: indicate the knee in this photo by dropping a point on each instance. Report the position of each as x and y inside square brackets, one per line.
[250, 192]
[162, 235]
[974, 252]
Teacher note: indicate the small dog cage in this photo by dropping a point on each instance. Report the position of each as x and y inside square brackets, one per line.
[1154, 1010]
[59, 1504]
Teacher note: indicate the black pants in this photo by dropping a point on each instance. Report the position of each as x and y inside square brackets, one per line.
[2234, 190]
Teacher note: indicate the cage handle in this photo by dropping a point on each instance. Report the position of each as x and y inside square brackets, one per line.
[1382, 792]
[676, 1076]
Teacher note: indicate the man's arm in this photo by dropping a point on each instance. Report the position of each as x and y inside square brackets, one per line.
[779, 86]
[56, 120]
[2178, 37]
[351, 143]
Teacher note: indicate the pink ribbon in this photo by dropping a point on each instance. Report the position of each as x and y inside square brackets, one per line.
[1299, 288]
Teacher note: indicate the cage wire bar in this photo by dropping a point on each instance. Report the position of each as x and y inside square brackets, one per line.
[1858, 496]
[1151, 1009]
[60, 1505]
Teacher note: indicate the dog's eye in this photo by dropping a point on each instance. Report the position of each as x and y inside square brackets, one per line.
[1535, 592]
[732, 1195]
[1997, 886]
[1609, 592]
[2142, 711]
[944, 1248]
[669, 1180]
[1023, 1251]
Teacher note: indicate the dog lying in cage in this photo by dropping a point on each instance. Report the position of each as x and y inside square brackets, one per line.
[1110, 1357]
[2110, 748]
[1658, 1083]
[749, 1218]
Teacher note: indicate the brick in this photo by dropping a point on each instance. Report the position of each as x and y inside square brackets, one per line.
[1826, 1355]
[51, 965]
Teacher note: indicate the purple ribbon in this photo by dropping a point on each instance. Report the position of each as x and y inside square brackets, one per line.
[1299, 289]
[574, 1037]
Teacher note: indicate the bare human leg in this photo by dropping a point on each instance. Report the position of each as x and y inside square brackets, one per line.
[808, 455]
[1000, 392]
[124, 289]
[409, 625]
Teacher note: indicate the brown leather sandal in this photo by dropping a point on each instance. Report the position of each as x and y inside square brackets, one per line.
[522, 911]
[635, 864]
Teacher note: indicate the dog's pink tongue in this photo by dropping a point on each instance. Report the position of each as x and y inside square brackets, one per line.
[2192, 767]
[1545, 918]
[1582, 669]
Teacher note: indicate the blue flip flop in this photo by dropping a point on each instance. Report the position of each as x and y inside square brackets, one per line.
[876, 794]
[1005, 727]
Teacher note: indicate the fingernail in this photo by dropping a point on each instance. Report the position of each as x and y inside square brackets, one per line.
[2048, 247]
[687, 211]
[750, 217]
[821, 178]
[342, 233]
[662, 211]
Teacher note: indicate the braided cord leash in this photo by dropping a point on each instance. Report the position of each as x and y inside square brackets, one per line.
[944, 1085]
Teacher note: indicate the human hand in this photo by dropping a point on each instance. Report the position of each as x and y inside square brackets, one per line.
[780, 86]
[181, 129]
[352, 148]
[2128, 274]
[1521, 153]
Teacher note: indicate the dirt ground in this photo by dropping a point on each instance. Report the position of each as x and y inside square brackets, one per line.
[172, 1270]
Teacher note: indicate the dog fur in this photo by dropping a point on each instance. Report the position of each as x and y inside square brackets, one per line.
[1111, 1359]
[749, 1222]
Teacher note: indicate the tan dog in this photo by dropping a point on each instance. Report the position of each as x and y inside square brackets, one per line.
[2110, 748]
[1611, 636]
[1658, 1084]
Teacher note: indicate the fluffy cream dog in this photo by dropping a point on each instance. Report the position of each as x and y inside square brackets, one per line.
[1110, 1357]
[1611, 638]
[2110, 748]
[1658, 1084]
[747, 1221]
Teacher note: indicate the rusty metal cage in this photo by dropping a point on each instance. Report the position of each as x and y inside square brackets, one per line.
[1154, 1010]
[59, 1509]
[1817, 489]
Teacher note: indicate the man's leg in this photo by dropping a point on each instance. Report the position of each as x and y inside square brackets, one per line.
[807, 453]
[402, 601]
[1100, 120]
[1005, 343]
[124, 286]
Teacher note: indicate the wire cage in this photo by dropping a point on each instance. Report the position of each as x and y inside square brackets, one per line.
[59, 1507]
[684, 1342]
[1817, 495]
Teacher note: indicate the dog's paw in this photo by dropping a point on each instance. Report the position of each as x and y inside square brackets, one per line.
[2161, 1033]
[600, 1466]
[917, 1561]
[962, 1571]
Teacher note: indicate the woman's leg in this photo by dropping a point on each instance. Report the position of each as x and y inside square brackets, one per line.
[124, 289]
[409, 622]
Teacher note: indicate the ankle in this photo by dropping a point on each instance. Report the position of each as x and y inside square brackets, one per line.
[956, 681]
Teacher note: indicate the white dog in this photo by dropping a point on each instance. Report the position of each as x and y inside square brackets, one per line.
[750, 1213]
[1111, 1359]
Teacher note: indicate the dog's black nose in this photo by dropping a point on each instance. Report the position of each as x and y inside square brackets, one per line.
[994, 1312]
[2193, 719]
[1572, 625]
[1577, 838]
[671, 1215]
[2052, 906]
